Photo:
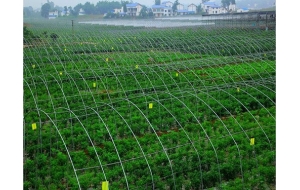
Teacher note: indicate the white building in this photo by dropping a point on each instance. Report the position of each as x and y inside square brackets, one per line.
[162, 10]
[167, 3]
[192, 8]
[81, 12]
[134, 9]
[118, 10]
[231, 8]
[180, 7]
[212, 8]
[242, 10]
[53, 15]
[65, 13]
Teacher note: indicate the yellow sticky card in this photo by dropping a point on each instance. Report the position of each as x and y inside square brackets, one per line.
[106, 59]
[252, 141]
[60, 73]
[150, 105]
[238, 89]
[33, 66]
[33, 126]
[137, 66]
[112, 48]
[104, 185]
[94, 84]
[65, 49]
[81, 43]
[177, 74]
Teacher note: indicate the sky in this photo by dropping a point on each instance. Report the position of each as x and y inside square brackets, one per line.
[38, 3]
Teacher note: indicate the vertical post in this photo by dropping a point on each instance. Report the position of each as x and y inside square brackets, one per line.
[266, 21]
[72, 27]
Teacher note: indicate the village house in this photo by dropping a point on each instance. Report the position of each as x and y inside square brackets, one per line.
[133, 9]
[53, 15]
[192, 9]
[81, 12]
[162, 10]
[167, 3]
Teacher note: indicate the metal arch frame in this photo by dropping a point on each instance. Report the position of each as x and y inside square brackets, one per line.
[99, 117]
[164, 150]
[251, 115]
[186, 136]
[64, 145]
[136, 141]
[220, 180]
[225, 128]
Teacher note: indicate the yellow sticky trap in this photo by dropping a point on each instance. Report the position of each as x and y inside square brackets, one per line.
[65, 49]
[106, 59]
[137, 66]
[112, 48]
[33, 66]
[33, 126]
[252, 141]
[94, 85]
[238, 89]
[150, 105]
[104, 185]
[81, 43]
[60, 73]
[177, 74]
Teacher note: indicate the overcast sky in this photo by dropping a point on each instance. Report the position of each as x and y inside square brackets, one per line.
[38, 3]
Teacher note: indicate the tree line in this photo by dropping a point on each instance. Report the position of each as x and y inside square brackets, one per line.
[103, 7]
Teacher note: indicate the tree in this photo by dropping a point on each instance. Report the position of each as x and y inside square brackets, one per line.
[157, 2]
[45, 10]
[88, 8]
[143, 12]
[204, 1]
[27, 11]
[174, 7]
[77, 9]
[226, 3]
[199, 9]
[123, 3]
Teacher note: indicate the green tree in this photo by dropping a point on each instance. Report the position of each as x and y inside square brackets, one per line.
[45, 10]
[77, 9]
[157, 2]
[123, 3]
[27, 11]
[143, 12]
[174, 7]
[226, 3]
[88, 8]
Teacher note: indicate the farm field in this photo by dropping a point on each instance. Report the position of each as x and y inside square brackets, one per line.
[148, 108]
